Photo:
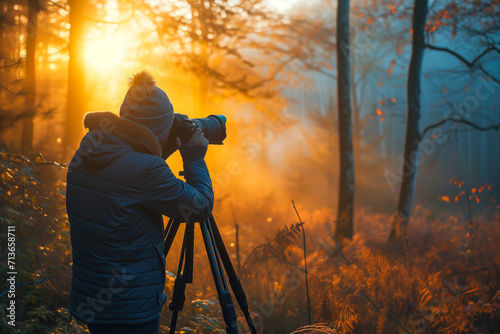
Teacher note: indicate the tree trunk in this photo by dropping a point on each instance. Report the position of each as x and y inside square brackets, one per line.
[409, 169]
[76, 103]
[344, 228]
[356, 119]
[483, 153]
[30, 87]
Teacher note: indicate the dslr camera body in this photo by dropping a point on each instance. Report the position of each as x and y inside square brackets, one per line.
[213, 127]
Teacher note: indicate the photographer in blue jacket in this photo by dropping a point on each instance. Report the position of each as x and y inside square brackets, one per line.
[118, 189]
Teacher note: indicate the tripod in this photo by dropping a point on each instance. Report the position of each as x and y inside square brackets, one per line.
[218, 258]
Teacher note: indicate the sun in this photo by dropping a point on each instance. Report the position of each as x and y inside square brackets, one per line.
[105, 53]
[105, 45]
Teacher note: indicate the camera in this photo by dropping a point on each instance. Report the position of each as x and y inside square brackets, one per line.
[213, 127]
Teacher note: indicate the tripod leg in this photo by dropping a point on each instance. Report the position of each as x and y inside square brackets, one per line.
[184, 275]
[188, 264]
[225, 299]
[217, 255]
[170, 232]
[236, 286]
[177, 304]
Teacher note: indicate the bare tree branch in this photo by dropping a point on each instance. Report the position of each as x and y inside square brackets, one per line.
[465, 61]
[16, 63]
[327, 74]
[88, 18]
[58, 5]
[489, 75]
[459, 121]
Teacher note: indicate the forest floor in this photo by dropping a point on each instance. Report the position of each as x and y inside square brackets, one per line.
[447, 279]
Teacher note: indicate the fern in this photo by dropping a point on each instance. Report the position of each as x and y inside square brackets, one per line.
[280, 247]
[321, 328]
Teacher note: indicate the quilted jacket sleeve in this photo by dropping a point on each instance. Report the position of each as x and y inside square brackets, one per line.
[189, 201]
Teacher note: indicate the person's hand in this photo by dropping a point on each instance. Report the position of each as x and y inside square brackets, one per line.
[198, 139]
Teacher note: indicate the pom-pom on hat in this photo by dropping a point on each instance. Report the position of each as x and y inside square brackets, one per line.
[146, 104]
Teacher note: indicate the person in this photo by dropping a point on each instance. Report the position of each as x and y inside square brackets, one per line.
[118, 189]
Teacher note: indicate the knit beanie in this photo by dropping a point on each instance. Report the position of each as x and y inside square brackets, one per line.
[147, 104]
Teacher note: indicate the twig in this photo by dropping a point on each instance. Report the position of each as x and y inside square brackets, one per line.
[23, 284]
[337, 244]
[69, 322]
[16, 63]
[305, 263]
[460, 120]
[30, 163]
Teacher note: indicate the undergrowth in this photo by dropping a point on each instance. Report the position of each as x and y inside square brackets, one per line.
[447, 281]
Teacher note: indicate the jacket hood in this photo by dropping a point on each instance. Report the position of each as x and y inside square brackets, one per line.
[98, 149]
[110, 136]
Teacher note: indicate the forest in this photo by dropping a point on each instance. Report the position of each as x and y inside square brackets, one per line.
[358, 188]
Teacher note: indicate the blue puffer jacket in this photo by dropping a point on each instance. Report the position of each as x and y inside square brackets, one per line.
[118, 188]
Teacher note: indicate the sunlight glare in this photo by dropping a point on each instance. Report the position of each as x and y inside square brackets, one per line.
[106, 52]
[281, 5]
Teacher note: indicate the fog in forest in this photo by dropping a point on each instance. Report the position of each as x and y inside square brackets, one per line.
[424, 213]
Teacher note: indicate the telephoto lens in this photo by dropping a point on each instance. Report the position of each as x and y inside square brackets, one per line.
[214, 128]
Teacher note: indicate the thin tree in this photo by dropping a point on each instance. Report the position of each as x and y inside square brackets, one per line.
[11, 112]
[407, 190]
[414, 136]
[34, 7]
[344, 228]
[76, 103]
